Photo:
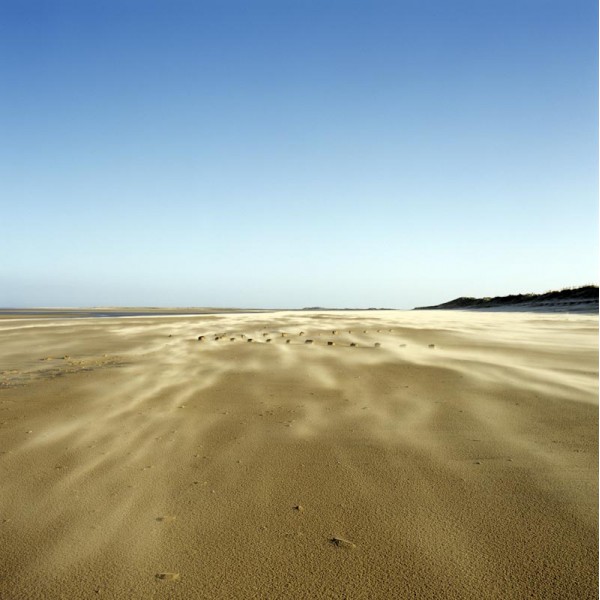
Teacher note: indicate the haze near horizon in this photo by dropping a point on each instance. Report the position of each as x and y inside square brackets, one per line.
[268, 154]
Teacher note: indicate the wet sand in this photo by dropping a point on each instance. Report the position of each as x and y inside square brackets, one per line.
[459, 459]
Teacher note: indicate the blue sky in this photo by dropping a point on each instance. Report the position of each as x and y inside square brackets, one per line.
[296, 153]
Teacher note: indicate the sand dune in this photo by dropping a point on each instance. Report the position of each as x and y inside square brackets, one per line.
[457, 459]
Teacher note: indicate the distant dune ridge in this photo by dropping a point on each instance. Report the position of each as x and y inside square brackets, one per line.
[578, 299]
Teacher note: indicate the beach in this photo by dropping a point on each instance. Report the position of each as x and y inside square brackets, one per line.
[292, 454]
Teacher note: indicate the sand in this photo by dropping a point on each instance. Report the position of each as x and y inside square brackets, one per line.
[459, 459]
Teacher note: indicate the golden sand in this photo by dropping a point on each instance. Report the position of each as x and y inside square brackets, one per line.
[443, 455]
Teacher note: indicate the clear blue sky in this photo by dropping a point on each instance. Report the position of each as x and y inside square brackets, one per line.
[294, 152]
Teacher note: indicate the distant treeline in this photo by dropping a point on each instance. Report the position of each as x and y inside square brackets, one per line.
[586, 293]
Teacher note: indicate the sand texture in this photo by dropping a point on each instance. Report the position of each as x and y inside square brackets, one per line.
[457, 459]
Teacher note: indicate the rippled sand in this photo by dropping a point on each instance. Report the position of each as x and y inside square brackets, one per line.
[457, 460]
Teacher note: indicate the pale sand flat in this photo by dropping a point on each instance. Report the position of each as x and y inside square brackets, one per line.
[470, 471]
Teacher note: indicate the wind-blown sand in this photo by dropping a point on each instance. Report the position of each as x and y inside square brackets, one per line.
[139, 462]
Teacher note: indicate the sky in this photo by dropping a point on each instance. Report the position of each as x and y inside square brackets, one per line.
[296, 153]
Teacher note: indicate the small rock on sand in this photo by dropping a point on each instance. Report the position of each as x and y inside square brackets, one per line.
[167, 576]
[331, 343]
[342, 543]
[308, 342]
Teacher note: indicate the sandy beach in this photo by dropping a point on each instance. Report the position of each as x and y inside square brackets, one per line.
[457, 459]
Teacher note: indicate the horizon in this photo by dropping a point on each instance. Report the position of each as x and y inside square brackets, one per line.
[281, 308]
[339, 154]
